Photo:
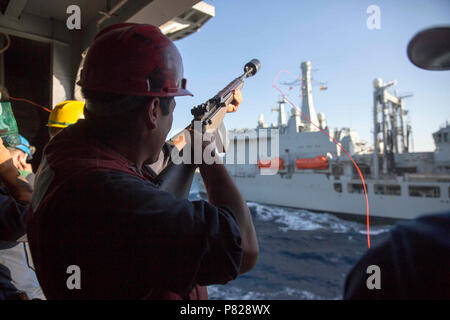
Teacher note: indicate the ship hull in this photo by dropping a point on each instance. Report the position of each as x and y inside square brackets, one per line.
[316, 192]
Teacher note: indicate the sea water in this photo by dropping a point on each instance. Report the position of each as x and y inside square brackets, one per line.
[303, 255]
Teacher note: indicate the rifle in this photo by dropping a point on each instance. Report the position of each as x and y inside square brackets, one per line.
[177, 178]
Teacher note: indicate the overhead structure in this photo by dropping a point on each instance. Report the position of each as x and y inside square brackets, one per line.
[31, 20]
[176, 18]
[14, 8]
[188, 22]
[38, 39]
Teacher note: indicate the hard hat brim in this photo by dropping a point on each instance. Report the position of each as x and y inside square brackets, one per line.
[56, 125]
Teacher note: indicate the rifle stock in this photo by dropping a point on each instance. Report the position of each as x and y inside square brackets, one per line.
[174, 178]
[177, 179]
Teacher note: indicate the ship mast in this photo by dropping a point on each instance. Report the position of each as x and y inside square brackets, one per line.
[307, 102]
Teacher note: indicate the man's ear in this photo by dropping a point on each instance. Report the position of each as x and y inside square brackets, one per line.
[152, 113]
[22, 158]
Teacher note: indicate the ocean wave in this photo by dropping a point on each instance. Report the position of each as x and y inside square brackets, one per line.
[302, 220]
[217, 292]
[374, 231]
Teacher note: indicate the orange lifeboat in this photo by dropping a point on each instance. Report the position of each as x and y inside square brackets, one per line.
[317, 163]
[275, 163]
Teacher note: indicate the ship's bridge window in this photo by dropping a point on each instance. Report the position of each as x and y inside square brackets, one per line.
[387, 189]
[338, 187]
[424, 191]
[365, 170]
[445, 135]
[356, 188]
[337, 170]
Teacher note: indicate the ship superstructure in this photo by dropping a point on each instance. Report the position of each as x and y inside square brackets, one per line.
[312, 172]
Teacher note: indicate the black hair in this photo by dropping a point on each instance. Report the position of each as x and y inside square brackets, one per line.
[110, 126]
[122, 102]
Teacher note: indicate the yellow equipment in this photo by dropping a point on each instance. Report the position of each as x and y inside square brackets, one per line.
[66, 113]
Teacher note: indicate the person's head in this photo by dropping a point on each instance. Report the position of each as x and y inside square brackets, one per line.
[21, 153]
[63, 115]
[148, 120]
[130, 76]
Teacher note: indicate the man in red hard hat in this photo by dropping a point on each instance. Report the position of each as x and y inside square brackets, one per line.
[99, 227]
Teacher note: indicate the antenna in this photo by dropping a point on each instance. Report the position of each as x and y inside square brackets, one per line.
[407, 95]
[281, 113]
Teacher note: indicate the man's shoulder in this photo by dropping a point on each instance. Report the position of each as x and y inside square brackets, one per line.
[121, 191]
[111, 185]
[410, 260]
[423, 237]
[113, 181]
[428, 225]
[411, 238]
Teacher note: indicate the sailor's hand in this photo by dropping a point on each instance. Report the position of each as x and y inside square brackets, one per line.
[5, 155]
[237, 99]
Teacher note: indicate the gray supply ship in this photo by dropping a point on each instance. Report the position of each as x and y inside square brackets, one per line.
[313, 172]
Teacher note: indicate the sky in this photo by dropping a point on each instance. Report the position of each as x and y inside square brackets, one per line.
[333, 35]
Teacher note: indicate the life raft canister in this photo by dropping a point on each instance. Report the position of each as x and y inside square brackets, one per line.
[318, 163]
[275, 163]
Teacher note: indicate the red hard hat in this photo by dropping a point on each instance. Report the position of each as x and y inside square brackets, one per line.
[134, 59]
